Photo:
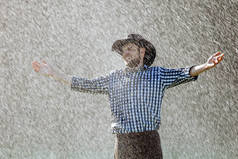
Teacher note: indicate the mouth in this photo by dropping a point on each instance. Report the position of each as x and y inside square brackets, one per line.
[133, 63]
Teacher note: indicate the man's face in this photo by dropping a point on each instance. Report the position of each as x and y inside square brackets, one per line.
[131, 55]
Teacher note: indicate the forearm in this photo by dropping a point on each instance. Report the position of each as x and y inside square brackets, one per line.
[196, 70]
[211, 62]
[61, 77]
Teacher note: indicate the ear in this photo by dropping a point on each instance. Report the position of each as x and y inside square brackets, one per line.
[142, 52]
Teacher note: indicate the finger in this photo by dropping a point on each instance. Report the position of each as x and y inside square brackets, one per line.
[220, 57]
[34, 63]
[217, 53]
[37, 65]
[36, 69]
[214, 60]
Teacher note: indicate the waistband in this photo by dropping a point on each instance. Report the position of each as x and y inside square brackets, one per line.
[144, 133]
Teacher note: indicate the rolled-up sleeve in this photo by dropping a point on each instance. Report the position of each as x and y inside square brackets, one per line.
[97, 85]
[174, 77]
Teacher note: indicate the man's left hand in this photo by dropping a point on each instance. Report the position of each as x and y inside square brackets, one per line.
[214, 60]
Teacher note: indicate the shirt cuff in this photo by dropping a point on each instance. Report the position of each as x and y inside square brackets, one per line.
[187, 73]
[75, 83]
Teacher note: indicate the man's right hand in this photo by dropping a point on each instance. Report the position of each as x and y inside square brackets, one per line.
[50, 71]
[43, 68]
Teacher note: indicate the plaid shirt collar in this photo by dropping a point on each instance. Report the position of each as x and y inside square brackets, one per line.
[141, 68]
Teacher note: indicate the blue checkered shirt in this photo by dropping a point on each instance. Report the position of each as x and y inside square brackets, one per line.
[135, 95]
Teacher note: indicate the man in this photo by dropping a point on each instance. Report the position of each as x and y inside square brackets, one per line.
[135, 94]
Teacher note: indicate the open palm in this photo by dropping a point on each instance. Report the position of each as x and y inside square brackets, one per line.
[214, 60]
[43, 68]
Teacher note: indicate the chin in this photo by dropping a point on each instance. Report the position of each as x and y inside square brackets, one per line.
[131, 66]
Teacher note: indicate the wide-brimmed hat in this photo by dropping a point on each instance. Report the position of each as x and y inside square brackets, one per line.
[137, 39]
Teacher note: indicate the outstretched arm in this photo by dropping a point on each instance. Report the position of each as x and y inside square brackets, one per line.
[96, 85]
[211, 62]
[47, 70]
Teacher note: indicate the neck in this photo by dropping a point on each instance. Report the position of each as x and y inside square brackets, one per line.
[139, 67]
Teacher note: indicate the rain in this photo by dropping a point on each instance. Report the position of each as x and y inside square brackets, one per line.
[42, 118]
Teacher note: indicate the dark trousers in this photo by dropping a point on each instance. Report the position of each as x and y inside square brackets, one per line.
[142, 145]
